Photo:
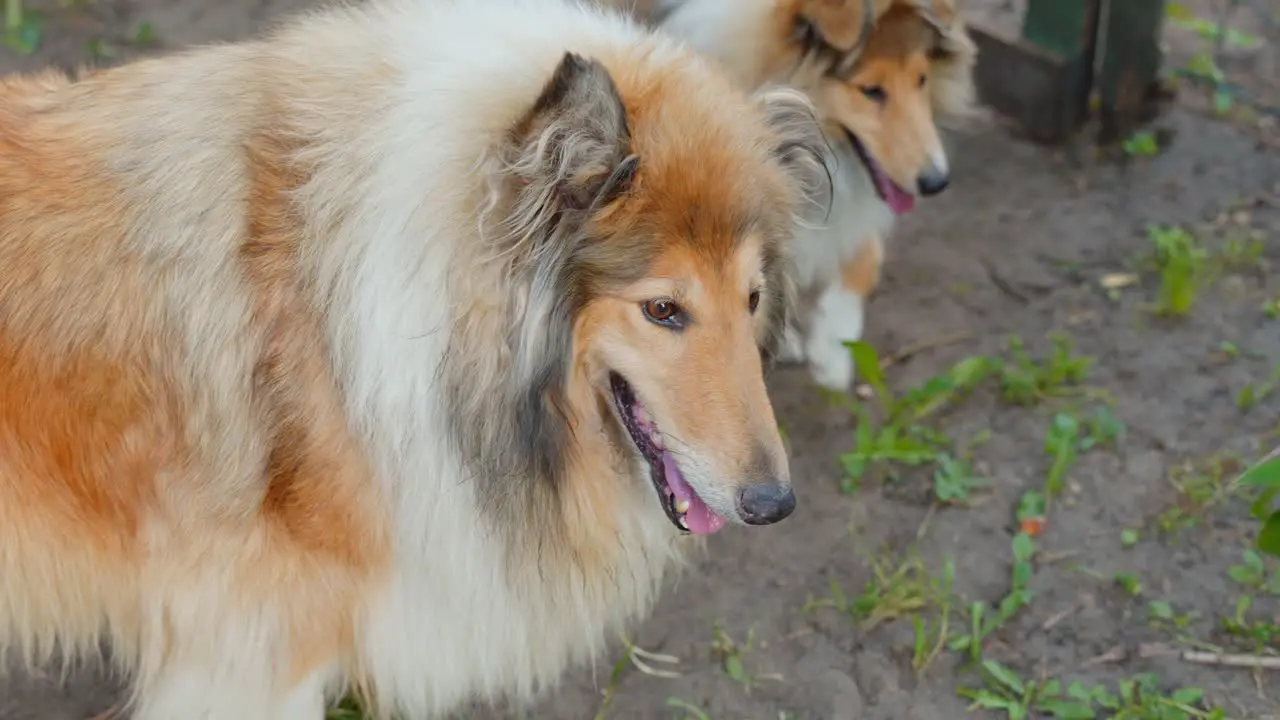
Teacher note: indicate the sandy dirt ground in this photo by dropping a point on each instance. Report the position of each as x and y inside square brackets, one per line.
[1142, 555]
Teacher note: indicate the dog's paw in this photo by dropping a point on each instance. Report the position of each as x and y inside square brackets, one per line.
[831, 365]
[838, 319]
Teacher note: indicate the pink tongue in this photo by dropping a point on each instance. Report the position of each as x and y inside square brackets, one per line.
[700, 518]
[899, 202]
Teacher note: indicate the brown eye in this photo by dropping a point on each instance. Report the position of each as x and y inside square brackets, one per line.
[923, 79]
[753, 301]
[664, 312]
[874, 93]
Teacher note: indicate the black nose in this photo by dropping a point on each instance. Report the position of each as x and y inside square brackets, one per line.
[766, 503]
[932, 183]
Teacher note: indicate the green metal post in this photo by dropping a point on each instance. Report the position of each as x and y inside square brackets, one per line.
[1042, 78]
[1129, 75]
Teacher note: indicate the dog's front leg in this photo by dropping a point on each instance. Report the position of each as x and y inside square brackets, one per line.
[231, 690]
[839, 314]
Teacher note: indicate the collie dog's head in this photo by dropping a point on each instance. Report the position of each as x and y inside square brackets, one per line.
[879, 71]
[640, 214]
[914, 67]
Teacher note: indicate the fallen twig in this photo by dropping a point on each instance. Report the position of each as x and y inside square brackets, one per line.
[911, 351]
[636, 653]
[1060, 616]
[1253, 662]
[1114, 655]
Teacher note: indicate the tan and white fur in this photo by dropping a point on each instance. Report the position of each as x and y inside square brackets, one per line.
[310, 351]
[884, 80]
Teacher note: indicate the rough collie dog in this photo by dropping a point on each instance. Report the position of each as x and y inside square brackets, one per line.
[401, 348]
[879, 72]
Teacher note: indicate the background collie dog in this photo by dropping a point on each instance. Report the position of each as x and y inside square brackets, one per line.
[399, 348]
[879, 72]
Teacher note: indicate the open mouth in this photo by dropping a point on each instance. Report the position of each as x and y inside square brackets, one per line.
[899, 200]
[685, 509]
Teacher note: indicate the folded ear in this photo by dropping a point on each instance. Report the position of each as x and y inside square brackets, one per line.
[798, 143]
[843, 25]
[568, 156]
[954, 57]
[570, 152]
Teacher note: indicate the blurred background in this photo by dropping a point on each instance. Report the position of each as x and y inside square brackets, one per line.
[1037, 513]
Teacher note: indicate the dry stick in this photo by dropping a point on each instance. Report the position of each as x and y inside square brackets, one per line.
[635, 653]
[1257, 662]
[912, 350]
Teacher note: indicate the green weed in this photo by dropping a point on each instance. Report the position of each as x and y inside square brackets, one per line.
[1264, 477]
[730, 655]
[1061, 444]
[983, 620]
[350, 708]
[1136, 698]
[933, 631]
[1182, 266]
[1199, 487]
[1254, 393]
[1004, 691]
[1261, 633]
[1131, 584]
[691, 711]
[1025, 381]
[1254, 574]
[23, 29]
[1271, 308]
[1142, 143]
[904, 438]
[895, 590]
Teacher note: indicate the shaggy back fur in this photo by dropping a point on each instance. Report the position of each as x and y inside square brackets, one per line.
[324, 290]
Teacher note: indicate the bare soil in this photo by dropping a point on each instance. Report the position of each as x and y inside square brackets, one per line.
[1018, 245]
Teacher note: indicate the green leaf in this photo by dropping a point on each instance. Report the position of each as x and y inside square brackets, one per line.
[1023, 547]
[970, 371]
[145, 35]
[1202, 64]
[693, 711]
[1265, 474]
[1253, 561]
[1068, 709]
[12, 14]
[1004, 676]
[1222, 101]
[1261, 507]
[1161, 609]
[1241, 574]
[1188, 696]
[733, 668]
[1179, 11]
[867, 360]
[1269, 537]
[987, 701]
[1031, 505]
[1078, 691]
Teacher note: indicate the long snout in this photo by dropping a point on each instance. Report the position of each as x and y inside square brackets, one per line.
[764, 495]
[936, 175]
[765, 503]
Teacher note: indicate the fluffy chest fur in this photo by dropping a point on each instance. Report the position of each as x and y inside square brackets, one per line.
[857, 213]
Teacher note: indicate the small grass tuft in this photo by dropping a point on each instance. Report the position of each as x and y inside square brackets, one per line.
[1199, 487]
[1182, 265]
